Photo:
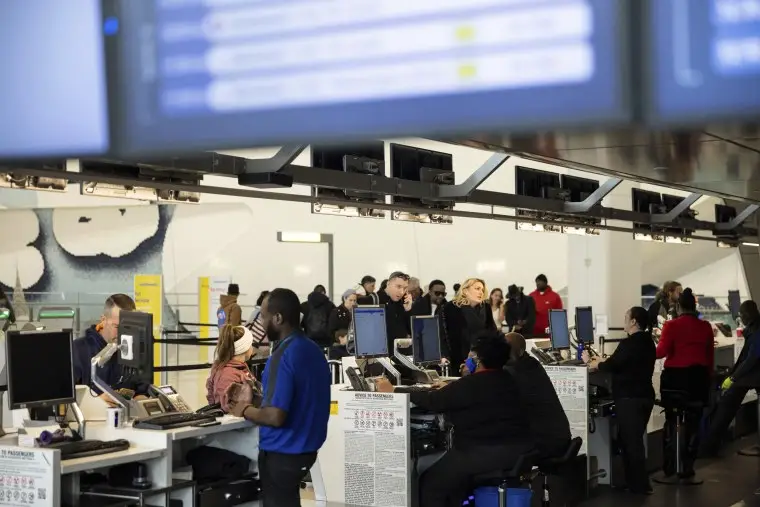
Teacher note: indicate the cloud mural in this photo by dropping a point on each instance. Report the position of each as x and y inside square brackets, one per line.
[18, 253]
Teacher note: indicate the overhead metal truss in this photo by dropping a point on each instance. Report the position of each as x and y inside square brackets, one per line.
[249, 173]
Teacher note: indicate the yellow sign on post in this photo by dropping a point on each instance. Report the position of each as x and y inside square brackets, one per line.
[149, 298]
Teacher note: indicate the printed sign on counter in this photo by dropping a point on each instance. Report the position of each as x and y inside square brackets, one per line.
[375, 431]
[27, 477]
[571, 384]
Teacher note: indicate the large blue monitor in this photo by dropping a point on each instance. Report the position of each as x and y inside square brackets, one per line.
[53, 85]
[705, 61]
[210, 74]
[370, 337]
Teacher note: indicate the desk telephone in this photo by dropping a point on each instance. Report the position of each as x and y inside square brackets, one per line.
[162, 399]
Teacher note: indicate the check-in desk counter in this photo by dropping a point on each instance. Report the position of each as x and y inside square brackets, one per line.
[378, 444]
[40, 475]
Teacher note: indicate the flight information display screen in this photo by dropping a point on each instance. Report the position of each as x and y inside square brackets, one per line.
[53, 85]
[706, 59]
[209, 74]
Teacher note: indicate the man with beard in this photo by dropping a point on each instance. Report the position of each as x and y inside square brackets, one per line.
[295, 403]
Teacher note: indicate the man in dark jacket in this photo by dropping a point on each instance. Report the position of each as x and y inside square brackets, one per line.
[94, 340]
[744, 376]
[316, 316]
[548, 422]
[398, 303]
[432, 302]
[520, 311]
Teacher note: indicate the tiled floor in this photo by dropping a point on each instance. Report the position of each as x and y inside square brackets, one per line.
[731, 481]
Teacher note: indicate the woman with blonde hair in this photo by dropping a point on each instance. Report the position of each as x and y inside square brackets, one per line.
[464, 318]
[234, 347]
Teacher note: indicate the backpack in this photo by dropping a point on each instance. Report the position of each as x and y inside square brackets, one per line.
[315, 323]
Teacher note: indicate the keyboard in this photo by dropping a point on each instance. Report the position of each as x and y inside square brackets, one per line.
[85, 448]
[172, 420]
[417, 388]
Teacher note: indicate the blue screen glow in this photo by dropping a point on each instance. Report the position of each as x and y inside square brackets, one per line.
[52, 90]
[706, 57]
[231, 73]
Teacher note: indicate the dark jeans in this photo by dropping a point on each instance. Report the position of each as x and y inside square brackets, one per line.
[448, 482]
[688, 444]
[729, 404]
[632, 419]
[281, 476]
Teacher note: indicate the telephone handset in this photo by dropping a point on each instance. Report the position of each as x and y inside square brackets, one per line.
[171, 400]
[357, 380]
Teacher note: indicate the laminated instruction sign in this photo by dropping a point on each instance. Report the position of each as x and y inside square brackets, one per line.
[375, 428]
[27, 477]
[571, 384]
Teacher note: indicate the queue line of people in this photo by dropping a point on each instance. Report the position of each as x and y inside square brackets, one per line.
[292, 402]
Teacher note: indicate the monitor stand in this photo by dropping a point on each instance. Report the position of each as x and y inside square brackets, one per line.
[386, 363]
[2, 413]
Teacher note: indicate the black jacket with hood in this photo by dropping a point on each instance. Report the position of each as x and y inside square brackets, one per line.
[316, 318]
[746, 371]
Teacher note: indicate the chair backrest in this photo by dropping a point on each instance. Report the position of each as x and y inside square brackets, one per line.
[573, 449]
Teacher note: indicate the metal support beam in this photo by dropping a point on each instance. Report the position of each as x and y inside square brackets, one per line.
[284, 157]
[337, 179]
[673, 214]
[739, 220]
[595, 197]
[468, 186]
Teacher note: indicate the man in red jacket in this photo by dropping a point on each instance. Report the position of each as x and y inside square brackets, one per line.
[545, 299]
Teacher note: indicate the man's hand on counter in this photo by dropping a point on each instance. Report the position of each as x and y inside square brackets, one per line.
[383, 385]
[243, 403]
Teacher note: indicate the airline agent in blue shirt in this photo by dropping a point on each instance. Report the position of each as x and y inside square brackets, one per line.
[295, 403]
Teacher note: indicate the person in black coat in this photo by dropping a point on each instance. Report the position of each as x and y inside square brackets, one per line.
[464, 318]
[520, 311]
[340, 316]
[631, 367]
[432, 302]
[744, 376]
[549, 424]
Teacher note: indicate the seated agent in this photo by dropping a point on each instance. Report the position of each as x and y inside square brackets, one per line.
[548, 421]
[295, 408]
[490, 430]
[94, 340]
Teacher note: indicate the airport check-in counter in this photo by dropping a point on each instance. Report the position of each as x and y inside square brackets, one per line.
[54, 482]
[603, 451]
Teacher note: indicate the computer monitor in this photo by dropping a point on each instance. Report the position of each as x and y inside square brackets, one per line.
[40, 94]
[40, 368]
[136, 342]
[584, 324]
[370, 336]
[560, 333]
[426, 339]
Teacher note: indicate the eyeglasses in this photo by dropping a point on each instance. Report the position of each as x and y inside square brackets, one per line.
[441, 293]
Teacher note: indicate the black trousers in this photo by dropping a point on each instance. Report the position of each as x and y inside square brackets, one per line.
[448, 482]
[632, 418]
[281, 476]
[728, 405]
[689, 441]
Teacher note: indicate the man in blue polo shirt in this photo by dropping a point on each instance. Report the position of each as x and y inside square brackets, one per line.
[295, 403]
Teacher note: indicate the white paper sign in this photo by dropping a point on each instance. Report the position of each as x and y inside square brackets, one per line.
[27, 477]
[571, 384]
[375, 430]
